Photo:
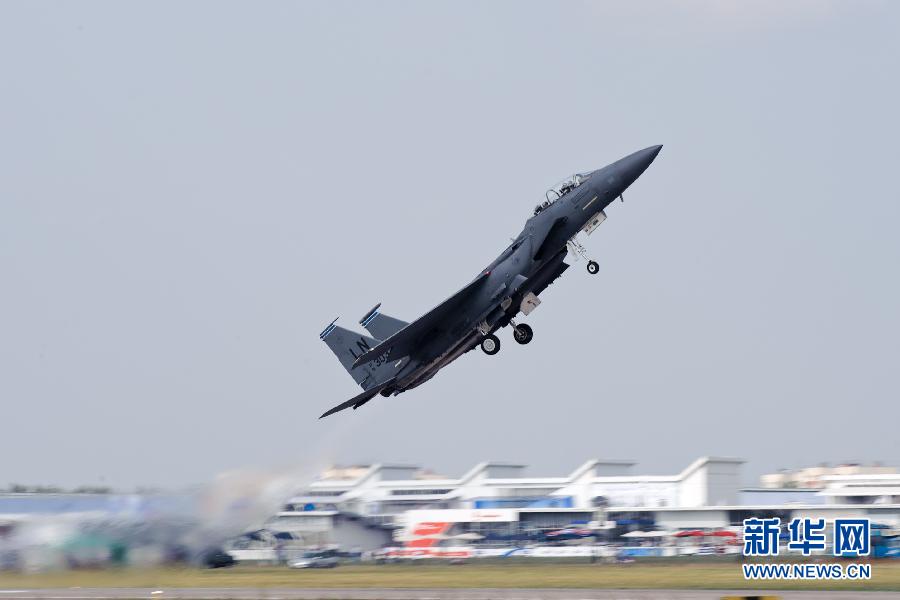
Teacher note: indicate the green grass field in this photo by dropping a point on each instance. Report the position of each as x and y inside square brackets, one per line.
[686, 575]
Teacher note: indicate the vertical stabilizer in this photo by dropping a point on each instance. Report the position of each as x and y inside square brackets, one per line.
[380, 325]
[349, 345]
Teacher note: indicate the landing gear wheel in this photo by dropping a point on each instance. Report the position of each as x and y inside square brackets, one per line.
[523, 333]
[490, 345]
[593, 268]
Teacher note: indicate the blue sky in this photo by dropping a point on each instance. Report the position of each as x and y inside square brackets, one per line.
[189, 192]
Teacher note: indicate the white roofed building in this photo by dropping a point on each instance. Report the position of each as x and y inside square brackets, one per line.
[502, 498]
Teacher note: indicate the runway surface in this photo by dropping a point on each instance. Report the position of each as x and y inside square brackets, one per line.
[418, 594]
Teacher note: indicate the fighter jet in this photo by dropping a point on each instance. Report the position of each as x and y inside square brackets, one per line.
[400, 356]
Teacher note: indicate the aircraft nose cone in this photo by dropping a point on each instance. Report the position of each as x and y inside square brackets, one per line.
[632, 166]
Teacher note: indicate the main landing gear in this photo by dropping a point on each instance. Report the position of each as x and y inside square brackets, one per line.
[592, 267]
[522, 333]
[490, 345]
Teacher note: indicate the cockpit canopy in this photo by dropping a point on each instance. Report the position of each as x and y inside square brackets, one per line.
[561, 189]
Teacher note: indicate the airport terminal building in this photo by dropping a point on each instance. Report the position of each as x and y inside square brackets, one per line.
[493, 508]
[499, 504]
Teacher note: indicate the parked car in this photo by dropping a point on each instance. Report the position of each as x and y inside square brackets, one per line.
[315, 560]
[216, 558]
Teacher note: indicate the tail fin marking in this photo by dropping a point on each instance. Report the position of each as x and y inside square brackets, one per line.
[348, 346]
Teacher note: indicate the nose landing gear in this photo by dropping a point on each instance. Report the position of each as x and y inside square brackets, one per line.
[490, 345]
[577, 250]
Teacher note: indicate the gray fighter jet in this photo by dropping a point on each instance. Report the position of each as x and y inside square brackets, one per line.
[400, 356]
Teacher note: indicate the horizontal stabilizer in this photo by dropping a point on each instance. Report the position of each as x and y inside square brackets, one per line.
[360, 399]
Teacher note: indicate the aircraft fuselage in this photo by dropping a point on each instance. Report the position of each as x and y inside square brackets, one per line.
[529, 264]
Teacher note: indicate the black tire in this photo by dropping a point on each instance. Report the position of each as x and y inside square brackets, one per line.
[523, 333]
[490, 345]
[592, 267]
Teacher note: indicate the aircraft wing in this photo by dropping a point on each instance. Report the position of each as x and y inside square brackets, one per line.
[359, 400]
[405, 341]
